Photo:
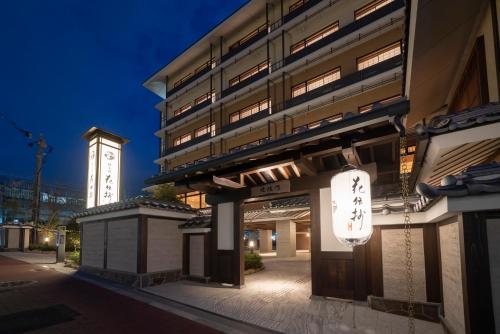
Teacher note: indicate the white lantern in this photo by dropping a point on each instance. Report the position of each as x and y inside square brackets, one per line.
[351, 207]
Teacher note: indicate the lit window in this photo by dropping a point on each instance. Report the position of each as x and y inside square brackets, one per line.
[250, 110]
[209, 128]
[370, 8]
[182, 139]
[379, 56]
[296, 5]
[369, 107]
[315, 37]
[204, 97]
[316, 82]
[312, 125]
[182, 109]
[249, 73]
[178, 82]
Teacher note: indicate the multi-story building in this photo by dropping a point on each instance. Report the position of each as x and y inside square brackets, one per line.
[16, 201]
[282, 94]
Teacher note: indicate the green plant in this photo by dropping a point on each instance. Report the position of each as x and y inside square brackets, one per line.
[253, 261]
[165, 192]
[42, 247]
[74, 257]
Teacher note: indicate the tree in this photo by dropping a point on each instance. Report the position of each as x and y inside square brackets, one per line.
[165, 192]
[11, 208]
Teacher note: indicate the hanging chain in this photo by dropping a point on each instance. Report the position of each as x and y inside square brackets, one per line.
[405, 189]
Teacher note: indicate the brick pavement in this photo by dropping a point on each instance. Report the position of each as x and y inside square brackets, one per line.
[100, 310]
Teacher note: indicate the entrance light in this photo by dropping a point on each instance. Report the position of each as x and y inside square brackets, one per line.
[251, 244]
[351, 207]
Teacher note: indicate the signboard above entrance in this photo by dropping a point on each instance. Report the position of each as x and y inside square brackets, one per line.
[271, 188]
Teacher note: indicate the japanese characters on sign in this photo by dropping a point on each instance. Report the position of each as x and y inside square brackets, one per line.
[271, 188]
[351, 207]
[91, 178]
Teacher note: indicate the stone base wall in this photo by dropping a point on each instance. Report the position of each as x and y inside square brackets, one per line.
[135, 280]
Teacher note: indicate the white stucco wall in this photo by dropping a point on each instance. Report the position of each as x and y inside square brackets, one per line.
[164, 245]
[93, 245]
[13, 241]
[122, 245]
[394, 264]
[196, 255]
[225, 226]
[451, 272]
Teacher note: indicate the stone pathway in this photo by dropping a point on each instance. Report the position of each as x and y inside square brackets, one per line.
[278, 298]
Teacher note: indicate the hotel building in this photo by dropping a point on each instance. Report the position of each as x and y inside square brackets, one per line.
[258, 114]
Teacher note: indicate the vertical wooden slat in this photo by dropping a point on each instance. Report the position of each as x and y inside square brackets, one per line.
[432, 280]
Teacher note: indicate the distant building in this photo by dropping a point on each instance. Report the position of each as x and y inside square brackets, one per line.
[16, 200]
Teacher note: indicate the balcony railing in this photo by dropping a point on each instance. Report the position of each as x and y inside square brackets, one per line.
[192, 110]
[297, 11]
[259, 33]
[344, 82]
[245, 82]
[344, 31]
[182, 146]
[244, 121]
[199, 73]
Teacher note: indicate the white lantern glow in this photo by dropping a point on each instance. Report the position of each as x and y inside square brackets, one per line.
[351, 207]
[104, 167]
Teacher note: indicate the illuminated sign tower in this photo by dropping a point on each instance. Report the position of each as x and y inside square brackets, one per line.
[104, 167]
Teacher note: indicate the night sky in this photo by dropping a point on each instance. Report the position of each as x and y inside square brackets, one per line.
[68, 65]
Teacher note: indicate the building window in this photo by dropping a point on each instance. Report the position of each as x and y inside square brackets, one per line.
[249, 73]
[296, 5]
[316, 124]
[248, 36]
[370, 8]
[180, 81]
[370, 106]
[182, 109]
[314, 38]
[195, 199]
[205, 97]
[256, 142]
[208, 64]
[410, 157]
[250, 110]
[182, 139]
[316, 82]
[379, 56]
[209, 128]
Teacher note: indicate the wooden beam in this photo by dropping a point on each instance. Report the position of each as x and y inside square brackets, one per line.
[305, 166]
[226, 183]
[351, 156]
[271, 173]
[283, 172]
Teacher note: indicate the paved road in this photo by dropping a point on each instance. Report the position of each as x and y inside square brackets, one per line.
[59, 303]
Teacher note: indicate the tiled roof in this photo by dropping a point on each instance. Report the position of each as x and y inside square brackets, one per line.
[197, 222]
[137, 202]
[302, 201]
[474, 180]
[467, 118]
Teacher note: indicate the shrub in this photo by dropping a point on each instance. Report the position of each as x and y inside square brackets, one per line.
[42, 247]
[253, 261]
[74, 257]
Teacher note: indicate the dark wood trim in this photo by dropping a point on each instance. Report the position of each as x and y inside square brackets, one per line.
[432, 268]
[315, 241]
[496, 38]
[374, 263]
[81, 243]
[142, 245]
[400, 226]
[378, 49]
[207, 254]
[6, 238]
[478, 304]
[105, 239]
[21, 239]
[238, 256]
[359, 262]
[213, 246]
[185, 254]
[440, 262]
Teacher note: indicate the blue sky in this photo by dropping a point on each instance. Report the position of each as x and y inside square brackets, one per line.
[67, 65]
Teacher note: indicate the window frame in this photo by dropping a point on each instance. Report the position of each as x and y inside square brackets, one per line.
[181, 139]
[208, 128]
[370, 8]
[257, 68]
[377, 53]
[305, 84]
[183, 109]
[315, 124]
[382, 102]
[306, 42]
[257, 105]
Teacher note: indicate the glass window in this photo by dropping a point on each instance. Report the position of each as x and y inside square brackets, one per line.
[182, 139]
[315, 37]
[369, 107]
[249, 73]
[296, 5]
[178, 82]
[316, 124]
[248, 111]
[379, 56]
[370, 8]
[182, 109]
[205, 129]
[316, 82]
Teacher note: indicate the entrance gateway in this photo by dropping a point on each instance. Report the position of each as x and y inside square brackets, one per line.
[297, 166]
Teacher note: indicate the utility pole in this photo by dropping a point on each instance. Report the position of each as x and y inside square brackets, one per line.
[40, 153]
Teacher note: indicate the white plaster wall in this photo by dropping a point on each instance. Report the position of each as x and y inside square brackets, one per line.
[93, 245]
[394, 264]
[196, 255]
[225, 226]
[451, 272]
[329, 242]
[164, 245]
[493, 231]
[122, 245]
[13, 241]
